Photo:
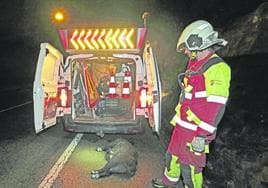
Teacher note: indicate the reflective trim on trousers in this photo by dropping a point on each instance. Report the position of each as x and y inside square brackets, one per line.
[207, 127]
[185, 124]
[200, 94]
[203, 125]
[188, 95]
[172, 179]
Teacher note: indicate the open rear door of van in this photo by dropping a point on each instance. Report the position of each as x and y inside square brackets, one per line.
[45, 87]
[154, 88]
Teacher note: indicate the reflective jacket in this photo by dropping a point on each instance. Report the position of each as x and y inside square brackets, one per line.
[205, 91]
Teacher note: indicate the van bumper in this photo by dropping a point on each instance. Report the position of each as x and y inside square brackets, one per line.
[129, 127]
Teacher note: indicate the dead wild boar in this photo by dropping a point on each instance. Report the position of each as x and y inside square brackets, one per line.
[121, 159]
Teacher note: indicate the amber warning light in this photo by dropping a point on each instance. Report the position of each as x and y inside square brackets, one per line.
[58, 16]
[102, 38]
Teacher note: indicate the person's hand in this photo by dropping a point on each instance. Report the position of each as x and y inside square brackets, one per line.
[99, 149]
[198, 144]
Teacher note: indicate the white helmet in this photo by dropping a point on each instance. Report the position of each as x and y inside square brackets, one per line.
[199, 35]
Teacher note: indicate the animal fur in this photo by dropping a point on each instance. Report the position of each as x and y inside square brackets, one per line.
[121, 159]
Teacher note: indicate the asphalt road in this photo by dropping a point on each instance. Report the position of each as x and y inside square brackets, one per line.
[27, 158]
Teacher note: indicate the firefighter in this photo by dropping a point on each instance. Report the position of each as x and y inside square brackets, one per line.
[204, 93]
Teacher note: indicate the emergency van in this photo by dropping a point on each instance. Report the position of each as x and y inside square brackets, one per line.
[108, 82]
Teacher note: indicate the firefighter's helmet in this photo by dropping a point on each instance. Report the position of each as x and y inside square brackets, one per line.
[198, 36]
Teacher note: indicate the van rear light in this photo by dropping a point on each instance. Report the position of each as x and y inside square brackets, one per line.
[143, 98]
[63, 97]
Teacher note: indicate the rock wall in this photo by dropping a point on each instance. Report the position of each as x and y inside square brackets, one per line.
[248, 34]
[239, 155]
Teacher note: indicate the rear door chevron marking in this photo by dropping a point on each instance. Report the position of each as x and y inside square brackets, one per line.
[89, 45]
[122, 38]
[74, 35]
[108, 39]
[128, 38]
[104, 38]
[100, 39]
[94, 42]
[114, 38]
[80, 39]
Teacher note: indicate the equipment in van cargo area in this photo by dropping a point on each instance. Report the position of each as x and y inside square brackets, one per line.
[102, 89]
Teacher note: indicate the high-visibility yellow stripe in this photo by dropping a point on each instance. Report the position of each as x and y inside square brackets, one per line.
[172, 179]
[188, 88]
[192, 117]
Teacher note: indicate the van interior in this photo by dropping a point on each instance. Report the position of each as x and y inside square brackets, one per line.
[103, 89]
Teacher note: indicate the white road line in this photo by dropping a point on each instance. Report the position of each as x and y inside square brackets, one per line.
[17, 106]
[55, 170]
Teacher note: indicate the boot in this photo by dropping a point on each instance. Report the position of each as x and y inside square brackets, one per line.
[158, 183]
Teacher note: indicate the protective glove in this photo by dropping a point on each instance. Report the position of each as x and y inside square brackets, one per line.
[99, 149]
[198, 144]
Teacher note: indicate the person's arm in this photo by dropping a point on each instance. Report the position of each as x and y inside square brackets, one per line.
[217, 81]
